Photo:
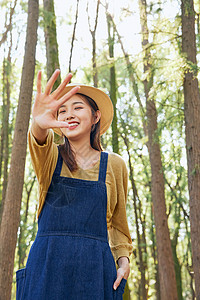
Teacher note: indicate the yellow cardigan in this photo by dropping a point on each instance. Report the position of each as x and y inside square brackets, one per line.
[44, 159]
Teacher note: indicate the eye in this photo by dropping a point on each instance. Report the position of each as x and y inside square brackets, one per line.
[78, 107]
[61, 111]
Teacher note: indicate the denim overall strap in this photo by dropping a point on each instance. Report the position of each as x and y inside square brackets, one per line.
[103, 166]
[59, 164]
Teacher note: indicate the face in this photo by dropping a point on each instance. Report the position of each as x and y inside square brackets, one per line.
[78, 114]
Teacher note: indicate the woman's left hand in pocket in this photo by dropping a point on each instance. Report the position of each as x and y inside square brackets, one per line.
[123, 271]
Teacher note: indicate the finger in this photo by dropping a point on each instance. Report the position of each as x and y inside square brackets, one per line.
[59, 124]
[39, 77]
[117, 282]
[51, 82]
[61, 87]
[67, 96]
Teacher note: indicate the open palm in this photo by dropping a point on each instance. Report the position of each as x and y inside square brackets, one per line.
[47, 104]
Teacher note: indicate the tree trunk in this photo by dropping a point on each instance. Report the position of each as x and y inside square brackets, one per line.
[113, 85]
[8, 26]
[131, 77]
[22, 245]
[164, 250]
[154, 256]
[165, 258]
[93, 33]
[177, 268]
[73, 36]
[6, 127]
[2, 128]
[51, 40]
[192, 125]
[176, 199]
[5, 109]
[11, 212]
[139, 240]
[143, 113]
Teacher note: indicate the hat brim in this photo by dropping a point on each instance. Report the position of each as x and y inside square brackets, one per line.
[102, 100]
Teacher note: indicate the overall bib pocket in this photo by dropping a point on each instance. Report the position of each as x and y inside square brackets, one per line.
[20, 279]
[120, 290]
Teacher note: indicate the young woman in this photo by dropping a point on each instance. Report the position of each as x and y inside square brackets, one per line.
[82, 200]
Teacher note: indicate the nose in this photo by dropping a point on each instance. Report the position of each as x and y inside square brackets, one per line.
[69, 117]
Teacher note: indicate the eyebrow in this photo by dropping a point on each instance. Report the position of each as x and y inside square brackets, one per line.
[76, 102]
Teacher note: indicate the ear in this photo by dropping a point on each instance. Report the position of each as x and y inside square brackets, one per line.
[97, 116]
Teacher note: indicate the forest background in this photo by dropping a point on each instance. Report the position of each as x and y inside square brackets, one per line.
[145, 55]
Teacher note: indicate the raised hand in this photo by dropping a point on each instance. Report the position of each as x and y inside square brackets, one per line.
[47, 104]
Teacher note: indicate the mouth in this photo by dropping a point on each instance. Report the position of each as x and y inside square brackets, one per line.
[73, 125]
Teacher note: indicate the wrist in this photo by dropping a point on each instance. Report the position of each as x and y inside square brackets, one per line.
[123, 260]
[39, 133]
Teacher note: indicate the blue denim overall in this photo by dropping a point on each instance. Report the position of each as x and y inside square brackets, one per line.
[70, 258]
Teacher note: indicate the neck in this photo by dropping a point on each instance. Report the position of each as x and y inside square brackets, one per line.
[85, 155]
[82, 149]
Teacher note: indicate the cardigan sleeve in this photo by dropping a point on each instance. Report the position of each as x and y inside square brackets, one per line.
[119, 235]
[44, 158]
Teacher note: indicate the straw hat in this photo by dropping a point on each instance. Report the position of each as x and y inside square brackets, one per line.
[102, 100]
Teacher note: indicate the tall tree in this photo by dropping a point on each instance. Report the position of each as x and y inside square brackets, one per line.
[22, 244]
[93, 34]
[52, 56]
[165, 258]
[51, 40]
[11, 212]
[8, 26]
[192, 125]
[73, 36]
[5, 123]
[132, 78]
[6, 103]
[113, 84]
[140, 242]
